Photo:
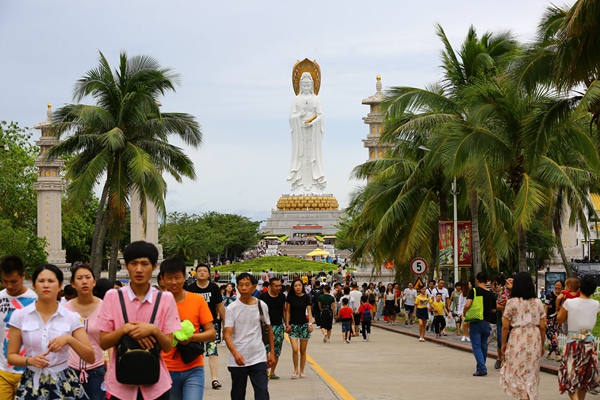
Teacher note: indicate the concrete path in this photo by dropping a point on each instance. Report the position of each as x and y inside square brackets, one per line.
[391, 365]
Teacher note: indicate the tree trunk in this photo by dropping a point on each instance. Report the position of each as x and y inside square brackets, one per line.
[99, 234]
[476, 240]
[114, 257]
[435, 248]
[522, 246]
[556, 224]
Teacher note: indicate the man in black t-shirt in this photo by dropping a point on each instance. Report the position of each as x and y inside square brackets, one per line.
[315, 294]
[479, 331]
[211, 293]
[276, 302]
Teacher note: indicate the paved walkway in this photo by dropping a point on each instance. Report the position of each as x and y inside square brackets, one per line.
[393, 364]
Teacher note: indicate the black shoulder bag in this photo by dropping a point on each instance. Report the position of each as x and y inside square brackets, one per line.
[264, 327]
[134, 365]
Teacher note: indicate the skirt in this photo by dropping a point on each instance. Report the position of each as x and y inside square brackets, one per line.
[66, 387]
[579, 368]
[390, 308]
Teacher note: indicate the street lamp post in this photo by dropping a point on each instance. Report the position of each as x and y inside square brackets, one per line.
[455, 229]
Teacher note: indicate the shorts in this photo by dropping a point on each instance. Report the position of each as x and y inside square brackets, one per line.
[300, 332]
[278, 331]
[346, 326]
[8, 384]
[357, 319]
[422, 313]
[211, 347]
[409, 309]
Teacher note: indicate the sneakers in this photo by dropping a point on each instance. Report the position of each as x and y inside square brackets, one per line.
[463, 339]
[468, 339]
[480, 373]
[347, 341]
[421, 339]
[498, 364]
[324, 338]
[364, 340]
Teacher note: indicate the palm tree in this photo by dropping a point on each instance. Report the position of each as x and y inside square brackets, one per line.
[421, 115]
[123, 140]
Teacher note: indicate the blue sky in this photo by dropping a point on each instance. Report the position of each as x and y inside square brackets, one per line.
[235, 60]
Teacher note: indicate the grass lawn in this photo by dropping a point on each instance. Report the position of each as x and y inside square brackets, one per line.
[278, 264]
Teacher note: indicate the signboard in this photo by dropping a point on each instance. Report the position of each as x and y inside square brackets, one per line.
[551, 278]
[447, 244]
[418, 266]
[418, 284]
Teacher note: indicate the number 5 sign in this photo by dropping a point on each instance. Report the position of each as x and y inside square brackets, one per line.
[418, 266]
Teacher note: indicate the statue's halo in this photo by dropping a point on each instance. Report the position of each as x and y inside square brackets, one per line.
[306, 66]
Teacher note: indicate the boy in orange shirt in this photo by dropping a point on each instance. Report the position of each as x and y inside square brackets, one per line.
[188, 379]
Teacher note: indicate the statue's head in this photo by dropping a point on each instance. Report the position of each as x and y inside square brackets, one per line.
[306, 83]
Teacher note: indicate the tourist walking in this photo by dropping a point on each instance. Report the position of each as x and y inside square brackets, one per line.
[408, 296]
[524, 312]
[47, 330]
[214, 299]
[578, 372]
[243, 335]
[454, 306]
[462, 299]
[365, 312]
[185, 361]
[551, 325]
[139, 300]
[14, 296]
[479, 329]
[422, 304]
[275, 300]
[391, 302]
[87, 306]
[298, 327]
[327, 307]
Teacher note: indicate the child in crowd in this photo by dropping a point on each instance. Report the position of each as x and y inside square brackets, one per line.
[571, 291]
[439, 308]
[366, 316]
[346, 316]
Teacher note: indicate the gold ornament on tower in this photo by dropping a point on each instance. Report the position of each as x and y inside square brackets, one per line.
[302, 203]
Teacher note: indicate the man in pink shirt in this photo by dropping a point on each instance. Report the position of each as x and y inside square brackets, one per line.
[140, 260]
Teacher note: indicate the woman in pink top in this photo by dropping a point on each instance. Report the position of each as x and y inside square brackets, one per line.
[88, 307]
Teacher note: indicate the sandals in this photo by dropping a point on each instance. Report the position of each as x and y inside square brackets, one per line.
[295, 376]
[216, 384]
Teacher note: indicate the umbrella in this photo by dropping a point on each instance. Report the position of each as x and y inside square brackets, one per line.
[317, 253]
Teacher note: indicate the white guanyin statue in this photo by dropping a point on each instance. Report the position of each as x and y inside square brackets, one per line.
[306, 122]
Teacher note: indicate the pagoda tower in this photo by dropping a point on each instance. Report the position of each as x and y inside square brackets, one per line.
[374, 120]
[49, 187]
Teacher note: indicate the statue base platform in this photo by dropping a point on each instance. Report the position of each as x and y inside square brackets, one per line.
[304, 214]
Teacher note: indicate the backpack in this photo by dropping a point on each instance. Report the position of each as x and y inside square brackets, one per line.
[134, 365]
[367, 317]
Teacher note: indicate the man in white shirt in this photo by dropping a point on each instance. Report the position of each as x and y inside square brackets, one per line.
[14, 296]
[243, 335]
[408, 297]
[355, 294]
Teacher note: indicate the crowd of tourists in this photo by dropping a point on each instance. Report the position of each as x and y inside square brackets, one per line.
[80, 346]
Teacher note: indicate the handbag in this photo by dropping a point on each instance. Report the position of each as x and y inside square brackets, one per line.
[264, 327]
[475, 312]
[135, 365]
[189, 352]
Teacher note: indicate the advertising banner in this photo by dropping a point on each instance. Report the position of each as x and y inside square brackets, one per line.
[447, 244]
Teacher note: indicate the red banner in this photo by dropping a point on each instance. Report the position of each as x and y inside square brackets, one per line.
[447, 244]
[389, 265]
